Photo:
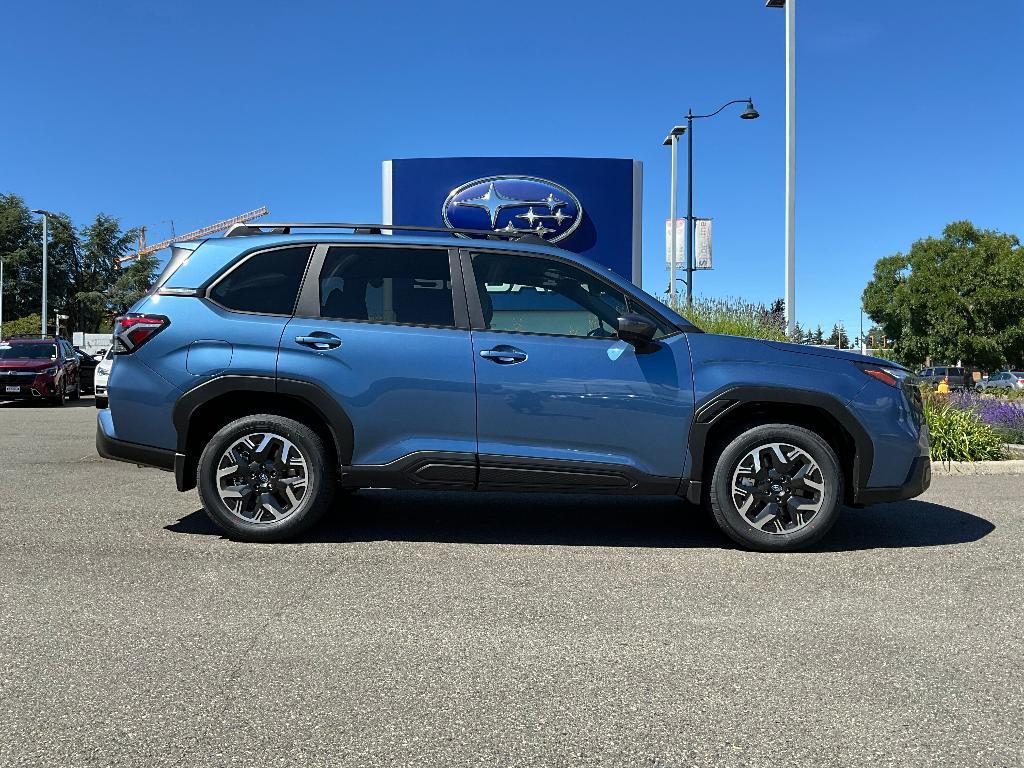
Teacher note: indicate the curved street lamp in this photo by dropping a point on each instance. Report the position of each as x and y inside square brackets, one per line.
[749, 113]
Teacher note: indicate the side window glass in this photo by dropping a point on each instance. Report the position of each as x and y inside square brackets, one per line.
[387, 285]
[266, 283]
[530, 294]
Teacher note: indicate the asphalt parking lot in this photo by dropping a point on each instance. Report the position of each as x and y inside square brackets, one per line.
[484, 630]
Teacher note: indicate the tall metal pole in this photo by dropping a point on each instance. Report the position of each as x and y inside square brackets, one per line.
[43, 333]
[673, 194]
[689, 209]
[790, 167]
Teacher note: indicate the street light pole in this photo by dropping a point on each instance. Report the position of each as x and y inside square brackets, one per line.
[689, 209]
[748, 114]
[789, 6]
[45, 215]
[672, 140]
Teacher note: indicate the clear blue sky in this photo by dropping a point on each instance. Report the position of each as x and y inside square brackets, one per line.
[910, 115]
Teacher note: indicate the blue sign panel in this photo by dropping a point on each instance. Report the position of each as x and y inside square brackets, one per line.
[588, 205]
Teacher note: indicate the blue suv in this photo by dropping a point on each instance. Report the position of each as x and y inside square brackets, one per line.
[276, 368]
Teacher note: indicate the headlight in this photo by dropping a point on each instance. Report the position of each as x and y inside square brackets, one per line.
[104, 369]
[51, 371]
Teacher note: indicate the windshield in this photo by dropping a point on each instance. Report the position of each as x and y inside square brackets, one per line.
[28, 352]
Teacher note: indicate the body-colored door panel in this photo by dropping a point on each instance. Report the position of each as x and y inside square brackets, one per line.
[585, 399]
[404, 388]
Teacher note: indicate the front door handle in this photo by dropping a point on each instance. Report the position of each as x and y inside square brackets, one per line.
[319, 340]
[503, 354]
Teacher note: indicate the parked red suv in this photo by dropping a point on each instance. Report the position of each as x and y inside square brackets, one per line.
[39, 369]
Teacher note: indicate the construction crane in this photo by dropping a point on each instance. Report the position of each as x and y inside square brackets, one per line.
[241, 218]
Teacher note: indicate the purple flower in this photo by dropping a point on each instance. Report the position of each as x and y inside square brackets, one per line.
[996, 413]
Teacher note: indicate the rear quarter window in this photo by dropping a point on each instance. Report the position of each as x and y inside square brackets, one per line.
[265, 283]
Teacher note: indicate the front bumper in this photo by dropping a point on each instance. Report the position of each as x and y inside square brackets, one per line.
[28, 388]
[917, 482]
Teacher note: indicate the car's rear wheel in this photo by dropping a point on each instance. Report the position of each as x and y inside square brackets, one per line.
[776, 487]
[77, 393]
[265, 478]
[102, 402]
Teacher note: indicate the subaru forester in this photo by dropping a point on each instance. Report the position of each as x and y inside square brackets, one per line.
[274, 368]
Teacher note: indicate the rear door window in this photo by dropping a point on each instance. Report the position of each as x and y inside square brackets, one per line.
[409, 286]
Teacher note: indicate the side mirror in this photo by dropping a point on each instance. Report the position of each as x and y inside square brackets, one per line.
[636, 330]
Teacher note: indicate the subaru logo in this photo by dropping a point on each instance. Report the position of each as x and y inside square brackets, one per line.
[516, 205]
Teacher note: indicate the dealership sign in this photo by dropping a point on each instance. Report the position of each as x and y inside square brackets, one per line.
[591, 206]
[514, 204]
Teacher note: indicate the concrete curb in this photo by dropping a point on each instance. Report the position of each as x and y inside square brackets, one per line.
[1009, 467]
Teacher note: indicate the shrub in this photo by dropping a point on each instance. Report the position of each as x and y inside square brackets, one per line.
[958, 434]
[23, 326]
[734, 317]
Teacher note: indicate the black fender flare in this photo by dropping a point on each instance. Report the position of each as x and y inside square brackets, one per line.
[309, 394]
[716, 406]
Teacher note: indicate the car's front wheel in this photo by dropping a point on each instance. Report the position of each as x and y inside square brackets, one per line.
[60, 396]
[776, 487]
[265, 478]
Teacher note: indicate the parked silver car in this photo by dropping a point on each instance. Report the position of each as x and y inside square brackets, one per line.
[1002, 380]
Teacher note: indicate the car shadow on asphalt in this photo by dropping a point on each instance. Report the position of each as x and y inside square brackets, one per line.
[600, 521]
[85, 402]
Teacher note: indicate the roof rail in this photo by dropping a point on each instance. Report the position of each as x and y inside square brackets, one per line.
[285, 228]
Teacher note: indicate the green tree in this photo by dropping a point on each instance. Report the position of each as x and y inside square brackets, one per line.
[21, 256]
[102, 284]
[958, 297]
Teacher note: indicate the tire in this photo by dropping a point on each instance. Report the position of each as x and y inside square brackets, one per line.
[102, 402]
[77, 394]
[62, 394]
[807, 479]
[284, 489]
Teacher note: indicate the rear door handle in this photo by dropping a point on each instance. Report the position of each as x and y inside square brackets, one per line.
[503, 354]
[319, 340]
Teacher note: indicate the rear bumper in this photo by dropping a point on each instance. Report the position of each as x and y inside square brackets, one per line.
[110, 447]
[917, 482]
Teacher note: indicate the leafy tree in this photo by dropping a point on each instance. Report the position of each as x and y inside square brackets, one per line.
[958, 297]
[85, 279]
[30, 325]
[133, 283]
[21, 256]
[102, 284]
[839, 337]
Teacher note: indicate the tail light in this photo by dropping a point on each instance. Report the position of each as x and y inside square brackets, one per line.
[132, 331]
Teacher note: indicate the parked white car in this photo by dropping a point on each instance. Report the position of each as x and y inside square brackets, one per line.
[100, 380]
[1002, 380]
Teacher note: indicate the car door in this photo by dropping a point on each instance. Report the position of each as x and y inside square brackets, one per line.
[381, 332]
[561, 401]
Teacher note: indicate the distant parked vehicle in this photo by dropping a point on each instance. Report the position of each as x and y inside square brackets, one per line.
[102, 376]
[1004, 380]
[957, 378]
[39, 369]
[87, 368]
